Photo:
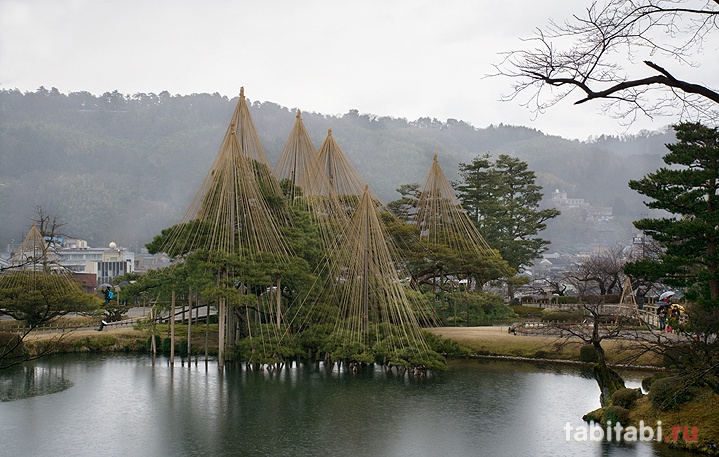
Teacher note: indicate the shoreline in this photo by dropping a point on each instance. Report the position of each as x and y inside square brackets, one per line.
[578, 363]
[489, 343]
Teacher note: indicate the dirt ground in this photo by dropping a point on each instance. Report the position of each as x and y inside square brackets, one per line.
[477, 333]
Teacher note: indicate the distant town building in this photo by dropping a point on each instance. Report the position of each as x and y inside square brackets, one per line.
[88, 281]
[560, 198]
[91, 266]
[598, 213]
[105, 263]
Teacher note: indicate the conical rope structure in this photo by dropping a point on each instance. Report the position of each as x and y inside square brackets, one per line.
[344, 181]
[307, 185]
[34, 252]
[373, 316]
[234, 219]
[231, 211]
[441, 218]
[297, 161]
[35, 286]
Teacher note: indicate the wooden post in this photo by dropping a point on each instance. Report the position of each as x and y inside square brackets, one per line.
[189, 327]
[279, 303]
[172, 330]
[197, 310]
[153, 345]
[221, 334]
[207, 331]
[230, 326]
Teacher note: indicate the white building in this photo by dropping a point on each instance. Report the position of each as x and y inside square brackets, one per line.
[561, 201]
[106, 263]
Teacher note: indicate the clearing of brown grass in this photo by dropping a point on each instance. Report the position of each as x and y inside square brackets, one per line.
[498, 341]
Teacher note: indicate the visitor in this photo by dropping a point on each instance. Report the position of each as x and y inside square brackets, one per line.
[676, 312]
[662, 313]
[640, 294]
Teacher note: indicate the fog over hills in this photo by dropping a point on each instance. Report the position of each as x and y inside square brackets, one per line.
[116, 167]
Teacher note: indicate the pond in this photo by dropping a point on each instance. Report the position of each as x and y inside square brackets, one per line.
[130, 405]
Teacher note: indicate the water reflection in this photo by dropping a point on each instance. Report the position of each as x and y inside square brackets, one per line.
[27, 381]
[128, 405]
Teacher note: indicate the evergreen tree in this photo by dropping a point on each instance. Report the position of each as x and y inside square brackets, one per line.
[687, 189]
[503, 200]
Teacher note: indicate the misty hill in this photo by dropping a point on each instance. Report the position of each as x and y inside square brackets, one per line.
[120, 168]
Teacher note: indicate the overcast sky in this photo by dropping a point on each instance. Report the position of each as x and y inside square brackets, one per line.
[399, 58]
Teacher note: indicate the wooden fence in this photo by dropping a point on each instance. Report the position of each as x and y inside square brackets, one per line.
[648, 313]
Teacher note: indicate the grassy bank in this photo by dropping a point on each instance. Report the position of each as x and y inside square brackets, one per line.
[124, 339]
[702, 412]
[496, 341]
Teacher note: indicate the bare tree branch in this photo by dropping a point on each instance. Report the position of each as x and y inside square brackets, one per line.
[589, 53]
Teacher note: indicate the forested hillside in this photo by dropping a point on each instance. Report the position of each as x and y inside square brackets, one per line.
[118, 167]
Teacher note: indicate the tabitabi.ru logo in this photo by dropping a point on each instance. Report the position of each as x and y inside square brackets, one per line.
[617, 432]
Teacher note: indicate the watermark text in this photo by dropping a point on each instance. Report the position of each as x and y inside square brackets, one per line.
[617, 432]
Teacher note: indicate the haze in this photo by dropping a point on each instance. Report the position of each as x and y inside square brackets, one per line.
[405, 59]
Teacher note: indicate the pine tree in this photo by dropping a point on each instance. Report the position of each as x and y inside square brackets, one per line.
[503, 200]
[687, 189]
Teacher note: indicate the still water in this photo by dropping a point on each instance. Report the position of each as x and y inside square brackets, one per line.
[112, 405]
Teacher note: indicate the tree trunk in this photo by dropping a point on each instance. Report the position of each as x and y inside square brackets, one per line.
[609, 381]
[279, 303]
[153, 344]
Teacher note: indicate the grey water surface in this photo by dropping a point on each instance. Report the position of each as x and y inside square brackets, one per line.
[128, 405]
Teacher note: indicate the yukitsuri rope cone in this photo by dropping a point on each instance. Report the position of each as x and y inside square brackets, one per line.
[298, 161]
[441, 220]
[307, 186]
[35, 287]
[343, 179]
[439, 212]
[34, 252]
[231, 216]
[375, 319]
[230, 213]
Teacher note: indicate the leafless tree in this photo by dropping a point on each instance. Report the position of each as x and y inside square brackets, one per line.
[49, 227]
[43, 306]
[600, 273]
[603, 54]
[555, 283]
[593, 331]
[692, 347]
